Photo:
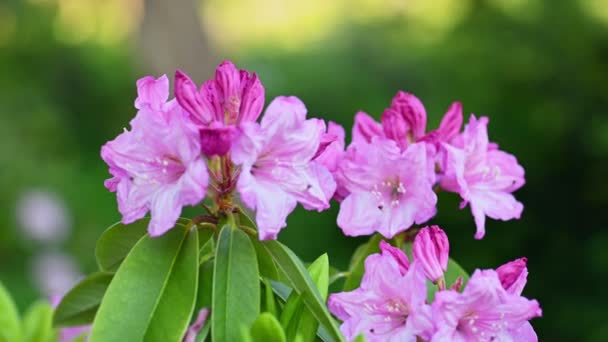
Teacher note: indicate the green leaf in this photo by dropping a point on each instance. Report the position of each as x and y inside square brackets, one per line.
[207, 251]
[357, 263]
[153, 292]
[9, 318]
[307, 325]
[269, 301]
[116, 242]
[203, 297]
[267, 329]
[453, 272]
[236, 288]
[300, 281]
[266, 264]
[37, 323]
[78, 307]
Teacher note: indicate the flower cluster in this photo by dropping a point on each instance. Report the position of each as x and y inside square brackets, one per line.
[387, 174]
[208, 143]
[391, 302]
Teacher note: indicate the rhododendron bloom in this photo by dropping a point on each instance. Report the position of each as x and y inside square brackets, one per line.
[431, 249]
[223, 103]
[390, 303]
[276, 169]
[156, 166]
[388, 188]
[484, 311]
[483, 175]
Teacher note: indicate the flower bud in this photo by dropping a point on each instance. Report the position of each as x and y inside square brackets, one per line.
[431, 249]
[397, 254]
[513, 275]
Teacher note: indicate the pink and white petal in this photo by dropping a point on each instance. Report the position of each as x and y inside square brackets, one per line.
[365, 128]
[271, 204]
[322, 189]
[152, 92]
[133, 201]
[413, 112]
[165, 209]
[283, 112]
[359, 214]
[249, 139]
[451, 122]
[193, 183]
[524, 333]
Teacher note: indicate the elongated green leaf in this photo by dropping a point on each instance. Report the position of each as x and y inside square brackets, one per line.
[37, 323]
[207, 251]
[266, 328]
[357, 263]
[78, 307]
[174, 310]
[307, 325]
[116, 242]
[300, 281]
[9, 318]
[203, 297]
[269, 301]
[153, 288]
[236, 287]
[453, 272]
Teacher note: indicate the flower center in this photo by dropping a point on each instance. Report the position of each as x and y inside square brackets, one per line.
[389, 193]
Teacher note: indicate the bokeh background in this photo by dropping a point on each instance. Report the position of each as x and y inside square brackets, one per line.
[537, 68]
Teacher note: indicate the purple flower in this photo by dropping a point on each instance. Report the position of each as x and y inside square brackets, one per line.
[276, 169]
[388, 188]
[483, 175]
[431, 249]
[222, 104]
[390, 303]
[484, 311]
[157, 165]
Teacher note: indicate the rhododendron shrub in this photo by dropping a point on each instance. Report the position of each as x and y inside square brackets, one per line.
[246, 162]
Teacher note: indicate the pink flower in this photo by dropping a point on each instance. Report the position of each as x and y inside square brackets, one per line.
[390, 303]
[483, 175]
[156, 166]
[388, 189]
[276, 168]
[197, 326]
[513, 275]
[484, 311]
[329, 155]
[222, 104]
[431, 249]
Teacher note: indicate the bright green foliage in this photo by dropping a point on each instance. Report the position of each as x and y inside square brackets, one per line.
[153, 292]
[37, 323]
[9, 318]
[301, 282]
[78, 307]
[236, 285]
[266, 328]
[116, 242]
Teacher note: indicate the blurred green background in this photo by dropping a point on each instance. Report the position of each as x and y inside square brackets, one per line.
[537, 68]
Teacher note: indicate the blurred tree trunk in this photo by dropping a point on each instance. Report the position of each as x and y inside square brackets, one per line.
[171, 37]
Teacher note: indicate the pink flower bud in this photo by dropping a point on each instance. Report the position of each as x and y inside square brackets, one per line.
[431, 249]
[397, 255]
[513, 275]
[395, 127]
[413, 112]
[189, 98]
